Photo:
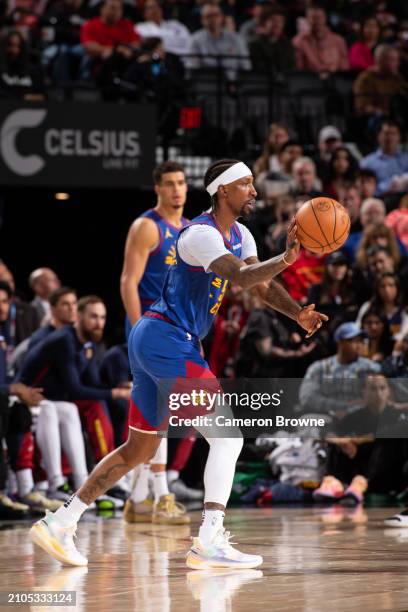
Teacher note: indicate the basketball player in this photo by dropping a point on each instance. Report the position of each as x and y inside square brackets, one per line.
[212, 250]
[149, 252]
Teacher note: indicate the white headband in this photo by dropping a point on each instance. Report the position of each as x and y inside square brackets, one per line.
[235, 172]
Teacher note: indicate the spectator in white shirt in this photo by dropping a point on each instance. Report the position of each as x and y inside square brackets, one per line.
[43, 281]
[214, 40]
[174, 35]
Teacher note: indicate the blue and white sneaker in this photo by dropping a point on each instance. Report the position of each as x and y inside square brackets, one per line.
[56, 540]
[398, 520]
[219, 553]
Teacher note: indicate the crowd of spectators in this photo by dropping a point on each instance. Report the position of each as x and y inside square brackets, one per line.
[135, 48]
[362, 288]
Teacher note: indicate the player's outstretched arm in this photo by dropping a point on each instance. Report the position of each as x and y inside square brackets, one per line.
[142, 238]
[247, 276]
[276, 296]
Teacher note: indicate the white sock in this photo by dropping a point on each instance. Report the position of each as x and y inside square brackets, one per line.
[160, 485]
[213, 521]
[25, 481]
[70, 513]
[172, 475]
[141, 488]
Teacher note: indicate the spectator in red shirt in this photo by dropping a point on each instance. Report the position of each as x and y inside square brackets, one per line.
[306, 271]
[361, 52]
[110, 33]
[319, 49]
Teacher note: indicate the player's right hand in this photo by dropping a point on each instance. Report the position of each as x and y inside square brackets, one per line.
[120, 393]
[27, 395]
[292, 243]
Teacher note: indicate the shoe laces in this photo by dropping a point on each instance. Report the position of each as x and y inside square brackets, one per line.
[173, 507]
[222, 539]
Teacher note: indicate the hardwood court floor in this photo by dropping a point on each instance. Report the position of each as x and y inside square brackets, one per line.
[315, 560]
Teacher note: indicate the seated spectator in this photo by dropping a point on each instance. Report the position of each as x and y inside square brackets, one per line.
[277, 136]
[271, 52]
[366, 183]
[362, 454]
[319, 49]
[63, 303]
[158, 77]
[268, 346]
[380, 260]
[64, 57]
[351, 199]
[388, 300]
[389, 163]
[329, 139]
[372, 213]
[378, 235]
[215, 40]
[275, 183]
[342, 171]
[19, 78]
[378, 343]
[374, 88]
[173, 34]
[361, 52]
[285, 209]
[307, 270]
[15, 425]
[229, 323]
[65, 366]
[304, 180]
[395, 368]
[397, 220]
[43, 281]
[63, 311]
[334, 295]
[110, 35]
[249, 28]
[331, 385]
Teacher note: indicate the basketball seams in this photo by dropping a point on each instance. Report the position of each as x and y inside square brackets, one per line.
[318, 223]
[308, 235]
[335, 220]
[347, 230]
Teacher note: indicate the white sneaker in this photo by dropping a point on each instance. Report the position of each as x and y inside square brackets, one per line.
[183, 492]
[219, 553]
[398, 520]
[56, 540]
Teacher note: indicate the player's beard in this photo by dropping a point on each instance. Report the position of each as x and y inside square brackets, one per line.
[94, 335]
[247, 209]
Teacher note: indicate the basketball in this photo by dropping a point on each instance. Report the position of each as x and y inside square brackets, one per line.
[323, 225]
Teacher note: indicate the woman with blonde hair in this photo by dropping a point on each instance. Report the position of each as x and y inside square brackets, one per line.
[277, 136]
[378, 235]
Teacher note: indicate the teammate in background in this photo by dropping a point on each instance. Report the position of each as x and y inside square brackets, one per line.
[150, 251]
[211, 251]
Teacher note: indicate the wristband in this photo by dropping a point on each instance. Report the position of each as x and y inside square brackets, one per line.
[284, 260]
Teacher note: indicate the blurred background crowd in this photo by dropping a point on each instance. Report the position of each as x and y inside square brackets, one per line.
[314, 98]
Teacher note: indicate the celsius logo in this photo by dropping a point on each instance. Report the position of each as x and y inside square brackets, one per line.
[20, 120]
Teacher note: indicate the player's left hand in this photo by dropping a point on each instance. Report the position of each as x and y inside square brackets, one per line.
[310, 319]
[292, 243]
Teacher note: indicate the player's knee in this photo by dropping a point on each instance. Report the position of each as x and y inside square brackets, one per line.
[230, 446]
[136, 451]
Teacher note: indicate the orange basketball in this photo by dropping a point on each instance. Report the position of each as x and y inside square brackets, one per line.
[323, 225]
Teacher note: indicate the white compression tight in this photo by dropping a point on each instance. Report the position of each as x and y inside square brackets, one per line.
[220, 468]
[59, 426]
